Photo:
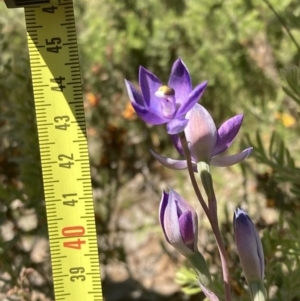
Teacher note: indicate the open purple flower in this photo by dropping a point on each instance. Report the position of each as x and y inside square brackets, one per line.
[205, 142]
[159, 104]
[179, 223]
[249, 246]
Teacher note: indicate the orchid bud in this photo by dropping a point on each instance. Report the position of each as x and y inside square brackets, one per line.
[251, 254]
[179, 223]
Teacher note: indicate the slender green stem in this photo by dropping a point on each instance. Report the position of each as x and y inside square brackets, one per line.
[282, 22]
[212, 217]
[192, 176]
[222, 250]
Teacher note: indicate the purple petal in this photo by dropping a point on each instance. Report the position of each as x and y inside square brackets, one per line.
[170, 163]
[149, 85]
[227, 133]
[162, 208]
[176, 126]
[177, 143]
[223, 161]
[180, 81]
[140, 107]
[148, 116]
[134, 95]
[192, 99]
[186, 227]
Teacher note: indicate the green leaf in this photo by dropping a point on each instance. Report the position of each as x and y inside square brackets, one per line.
[260, 146]
[271, 146]
[290, 94]
[280, 158]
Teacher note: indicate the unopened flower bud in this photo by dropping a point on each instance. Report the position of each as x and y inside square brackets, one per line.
[249, 246]
[179, 223]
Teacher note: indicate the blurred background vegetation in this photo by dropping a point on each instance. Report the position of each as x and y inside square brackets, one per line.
[241, 48]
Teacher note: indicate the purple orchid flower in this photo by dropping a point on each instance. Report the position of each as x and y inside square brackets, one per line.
[179, 223]
[159, 104]
[249, 246]
[205, 142]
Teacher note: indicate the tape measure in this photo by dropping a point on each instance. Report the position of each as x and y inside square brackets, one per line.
[56, 78]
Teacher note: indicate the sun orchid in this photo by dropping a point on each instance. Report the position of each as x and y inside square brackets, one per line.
[160, 104]
[205, 142]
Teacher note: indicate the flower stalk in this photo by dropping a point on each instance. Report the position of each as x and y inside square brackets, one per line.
[211, 217]
[198, 262]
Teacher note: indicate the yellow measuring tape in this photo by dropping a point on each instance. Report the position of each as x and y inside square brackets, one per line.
[60, 117]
